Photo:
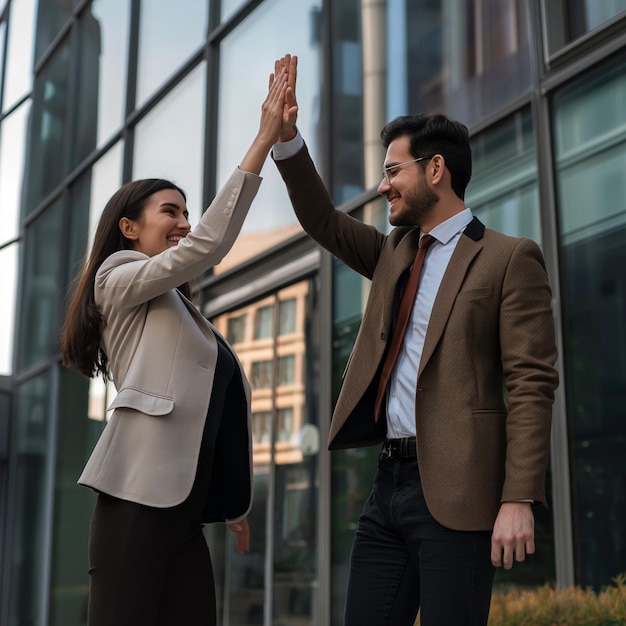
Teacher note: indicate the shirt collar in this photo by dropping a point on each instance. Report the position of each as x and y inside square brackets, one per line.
[454, 225]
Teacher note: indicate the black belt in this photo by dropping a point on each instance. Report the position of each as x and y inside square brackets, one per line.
[404, 448]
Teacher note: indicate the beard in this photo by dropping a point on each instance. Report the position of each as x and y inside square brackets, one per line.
[418, 204]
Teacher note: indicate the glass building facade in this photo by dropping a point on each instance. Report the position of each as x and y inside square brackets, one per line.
[97, 92]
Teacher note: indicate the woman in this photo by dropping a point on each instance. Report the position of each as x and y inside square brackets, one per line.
[176, 452]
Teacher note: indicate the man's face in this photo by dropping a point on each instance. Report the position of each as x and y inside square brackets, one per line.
[406, 188]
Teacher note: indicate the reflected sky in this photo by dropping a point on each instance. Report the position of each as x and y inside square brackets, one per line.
[247, 59]
[19, 59]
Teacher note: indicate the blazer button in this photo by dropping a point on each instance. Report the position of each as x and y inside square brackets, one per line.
[383, 337]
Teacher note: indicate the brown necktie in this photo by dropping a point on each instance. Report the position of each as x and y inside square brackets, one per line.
[404, 313]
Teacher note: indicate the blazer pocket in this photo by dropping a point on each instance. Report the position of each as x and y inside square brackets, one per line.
[148, 403]
[475, 294]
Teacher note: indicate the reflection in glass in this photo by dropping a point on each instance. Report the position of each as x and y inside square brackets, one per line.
[40, 291]
[89, 194]
[31, 502]
[49, 127]
[12, 150]
[348, 106]
[590, 144]
[466, 59]
[503, 194]
[585, 15]
[283, 521]
[264, 322]
[8, 289]
[18, 68]
[503, 191]
[108, 23]
[169, 141]
[69, 580]
[352, 470]
[254, 45]
[106, 178]
[229, 7]
[169, 32]
[52, 17]
[3, 30]
[287, 311]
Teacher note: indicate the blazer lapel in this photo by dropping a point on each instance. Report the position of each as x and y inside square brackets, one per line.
[468, 246]
[403, 257]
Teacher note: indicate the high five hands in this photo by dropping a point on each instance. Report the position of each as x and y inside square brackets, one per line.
[287, 65]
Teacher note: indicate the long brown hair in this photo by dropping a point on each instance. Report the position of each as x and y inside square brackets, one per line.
[81, 333]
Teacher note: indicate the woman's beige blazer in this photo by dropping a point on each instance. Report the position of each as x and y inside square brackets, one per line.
[162, 354]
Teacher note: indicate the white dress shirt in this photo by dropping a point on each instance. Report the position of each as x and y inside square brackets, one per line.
[403, 382]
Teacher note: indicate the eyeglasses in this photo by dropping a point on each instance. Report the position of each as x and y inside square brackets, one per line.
[390, 172]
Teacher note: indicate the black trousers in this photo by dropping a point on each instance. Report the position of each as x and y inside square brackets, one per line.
[149, 566]
[403, 560]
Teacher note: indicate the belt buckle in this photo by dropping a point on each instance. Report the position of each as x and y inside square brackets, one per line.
[387, 448]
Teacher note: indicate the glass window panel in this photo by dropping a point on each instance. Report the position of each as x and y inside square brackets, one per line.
[237, 329]
[106, 178]
[286, 370]
[255, 44]
[262, 374]
[349, 107]
[503, 191]
[466, 59]
[3, 28]
[262, 427]
[49, 127]
[103, 59]
[585, 15]
[18, 69]
[89, 193]
[283, 462]
[592, 220]
[169, 141]
[28, 562]
[76, 436]
[169, 32]
[352, 471]
[13, 133]
[8, 289]
[285, 428]
[40, 292]
[228, 8]
[264, 322]
[52, 17]
[287, 310]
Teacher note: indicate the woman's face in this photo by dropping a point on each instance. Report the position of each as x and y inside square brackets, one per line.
[162, 224]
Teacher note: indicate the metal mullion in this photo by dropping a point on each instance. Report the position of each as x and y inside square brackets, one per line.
[270, 511]
[561, 492]
[128, 133]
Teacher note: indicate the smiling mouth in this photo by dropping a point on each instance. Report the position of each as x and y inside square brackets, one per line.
[174, 239]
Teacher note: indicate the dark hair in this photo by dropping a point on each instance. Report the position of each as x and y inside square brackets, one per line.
[81, 333]
[436, 134]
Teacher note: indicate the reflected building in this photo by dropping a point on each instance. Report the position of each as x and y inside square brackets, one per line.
[97, 92]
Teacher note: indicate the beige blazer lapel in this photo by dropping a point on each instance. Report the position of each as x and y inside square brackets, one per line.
[453, 278]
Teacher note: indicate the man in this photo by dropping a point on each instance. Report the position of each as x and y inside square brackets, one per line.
[460, 466]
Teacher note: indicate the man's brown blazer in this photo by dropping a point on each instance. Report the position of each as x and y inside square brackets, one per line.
[491, 329]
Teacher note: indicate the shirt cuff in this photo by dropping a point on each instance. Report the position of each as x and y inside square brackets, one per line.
[287, 149]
